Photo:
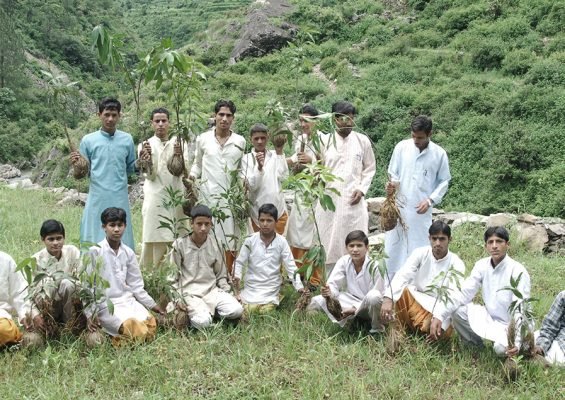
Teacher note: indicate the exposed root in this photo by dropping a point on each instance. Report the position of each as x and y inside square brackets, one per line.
[334, 307]
[390, 213]
[180, 319]
[94, 339]
[304, 300]
[32, 340]
[510, 368]
[395, 337]
[175, 165]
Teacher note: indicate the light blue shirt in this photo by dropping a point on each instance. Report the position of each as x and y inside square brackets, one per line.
[111, 159]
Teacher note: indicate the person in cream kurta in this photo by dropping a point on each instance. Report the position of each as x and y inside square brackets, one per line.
[490, 275]
[202, 281]
[159, 149]
[264, 172]
[217, 161]
[349, 155]
[301, 232]
[411, 290]
[419, 169]
[13, 292]
[62, 295]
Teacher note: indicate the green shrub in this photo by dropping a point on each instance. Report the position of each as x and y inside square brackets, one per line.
[547, 72]
[488, 54]
[458, 19]
[518, 62]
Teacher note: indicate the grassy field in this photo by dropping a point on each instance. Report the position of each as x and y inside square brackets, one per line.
[282, 356]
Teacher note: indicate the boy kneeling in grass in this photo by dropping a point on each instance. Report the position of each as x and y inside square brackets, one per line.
[13, 291]
[262, 253]
[62, 262]
[202, 279]
[355, 283]
[130, 319]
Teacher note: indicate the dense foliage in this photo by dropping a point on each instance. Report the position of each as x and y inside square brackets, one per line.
[491, 73]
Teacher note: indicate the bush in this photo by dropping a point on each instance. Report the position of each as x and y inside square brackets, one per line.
[547, 72]
[458, 19]
[518, 62]
[488, 54]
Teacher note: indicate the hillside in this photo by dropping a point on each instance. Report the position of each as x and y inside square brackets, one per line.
[491, 73]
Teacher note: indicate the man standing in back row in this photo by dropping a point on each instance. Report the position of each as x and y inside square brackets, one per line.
[217, 163]
[419, 170]
[110, 155]
[349, 156]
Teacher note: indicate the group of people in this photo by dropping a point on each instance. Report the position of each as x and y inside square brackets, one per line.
[421, 289]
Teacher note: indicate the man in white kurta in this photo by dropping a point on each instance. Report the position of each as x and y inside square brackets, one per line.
[475, 322]
[300, 228]
[361, 291]
[202, 279]
[411, 291]
[262, 253]
[419, 169]
[13, 292]
[159, 149]
[349, 155]
[264, 172]
[217, 162]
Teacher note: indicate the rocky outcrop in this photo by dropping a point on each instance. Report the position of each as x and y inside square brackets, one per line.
[8, 171]
[262, 36]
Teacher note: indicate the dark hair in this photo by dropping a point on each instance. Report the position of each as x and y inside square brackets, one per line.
[421, 124]
[498, 231]
[309, 109]
[109, 103]
[113, 214]
[224, 103]
[200, 210]
[343, 108]
[269, 209]
[440, 227]
[160, 110]
[50, 227]
[258, 128]
[356, 235]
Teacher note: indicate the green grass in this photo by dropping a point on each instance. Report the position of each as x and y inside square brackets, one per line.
[280, 356]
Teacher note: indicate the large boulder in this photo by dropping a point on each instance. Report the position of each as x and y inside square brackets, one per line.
[8, 171]
[534, 236]
[501, 219]
[260, 35]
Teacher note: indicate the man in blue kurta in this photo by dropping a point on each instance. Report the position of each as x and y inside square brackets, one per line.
[110, 154]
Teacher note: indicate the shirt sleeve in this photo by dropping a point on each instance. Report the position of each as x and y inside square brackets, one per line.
[242, 258]
[394, 164]
[250, 172]
[135, 282]
[196, 169]
[551, 325]
[337, 277]
[18, 291]
[282, 167]
[220, 271]
[290, 266]
[443, 178]
[369, 165]
[130, 158]
[404, 276]
[469, 289]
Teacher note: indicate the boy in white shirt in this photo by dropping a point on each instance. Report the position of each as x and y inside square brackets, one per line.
[475, 322]
[130, 319]
[202, 279]
[262, 253]
[264, 171]
[356, 283]
[57, 257]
